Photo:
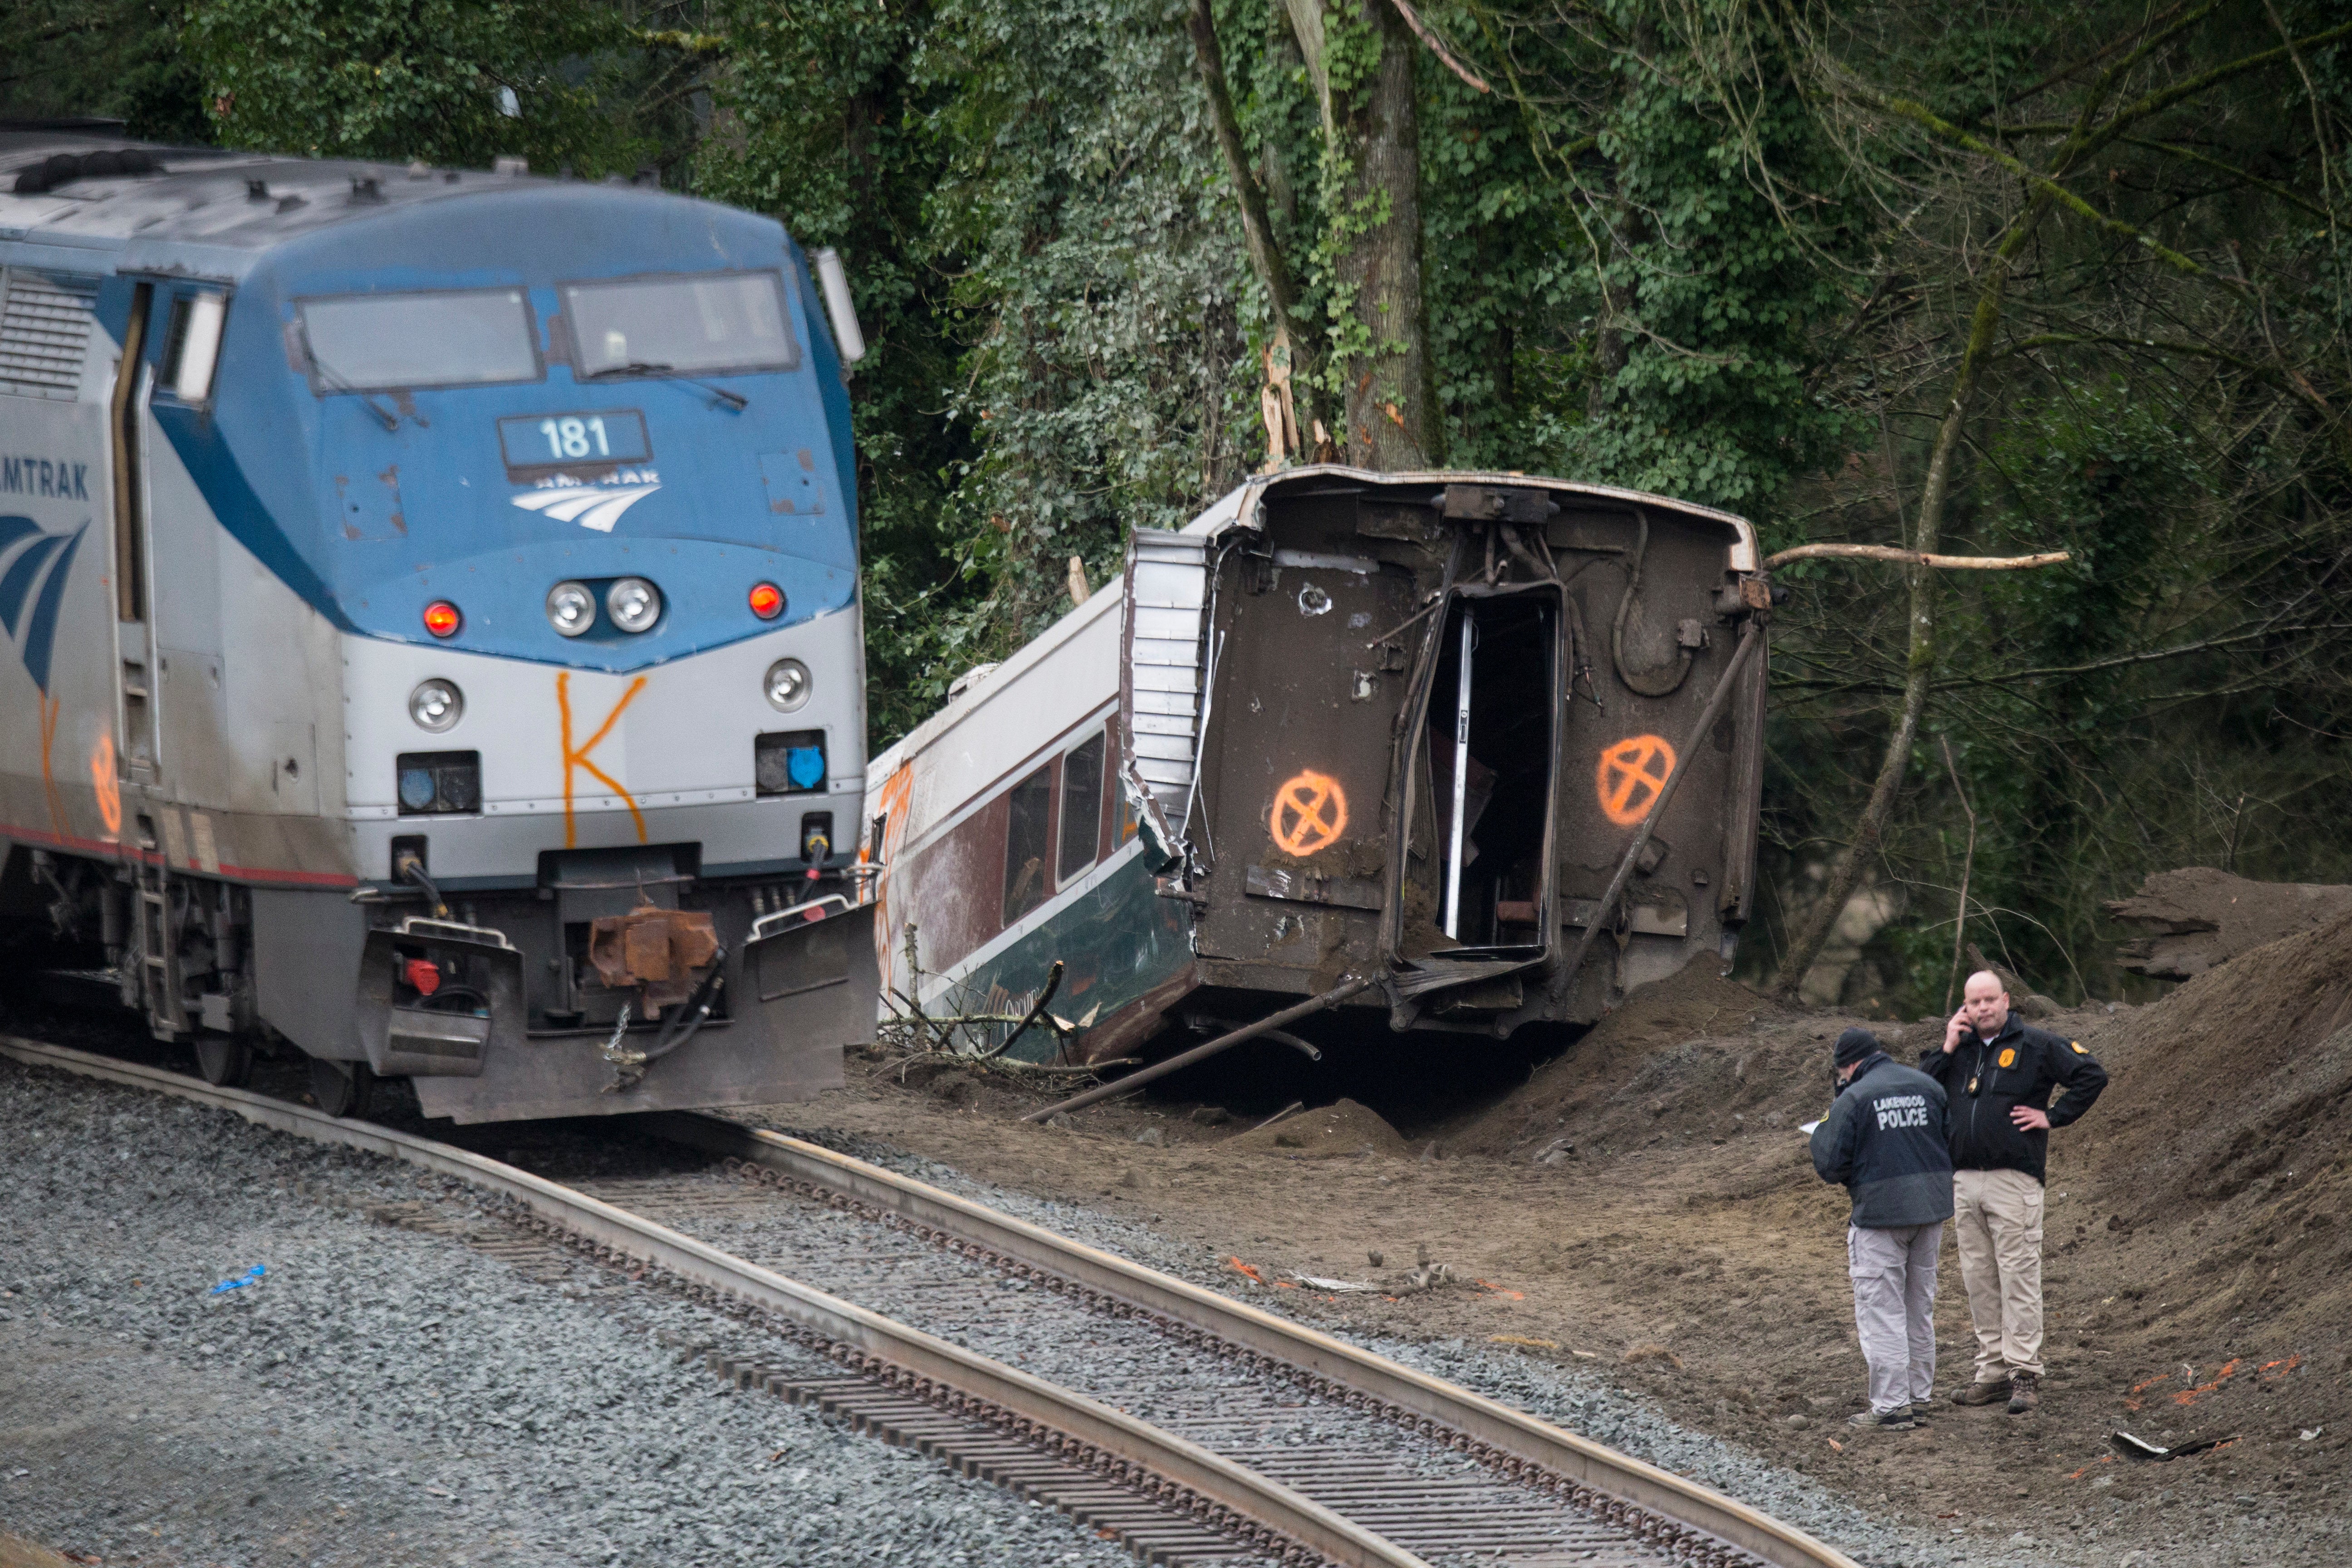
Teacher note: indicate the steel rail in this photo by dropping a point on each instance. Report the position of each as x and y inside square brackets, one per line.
[1209, 1475]
[1508, 1432]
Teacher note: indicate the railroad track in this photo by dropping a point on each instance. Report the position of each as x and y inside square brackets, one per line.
[1196, 1428]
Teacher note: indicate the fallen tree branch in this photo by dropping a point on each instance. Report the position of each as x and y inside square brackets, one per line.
[1913, 558]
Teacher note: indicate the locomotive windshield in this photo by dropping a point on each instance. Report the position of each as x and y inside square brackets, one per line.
[379, 342]
[729, 321]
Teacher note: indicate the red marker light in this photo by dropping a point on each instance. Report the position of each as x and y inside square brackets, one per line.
[767, 600]
[442, 619]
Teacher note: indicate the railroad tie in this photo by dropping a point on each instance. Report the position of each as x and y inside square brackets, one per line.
[1155, 1532]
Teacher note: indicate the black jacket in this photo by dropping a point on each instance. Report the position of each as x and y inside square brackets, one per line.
[1884, 1140]
[2018, 1065]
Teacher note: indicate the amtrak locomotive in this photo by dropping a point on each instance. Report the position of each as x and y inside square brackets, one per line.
[433, 623]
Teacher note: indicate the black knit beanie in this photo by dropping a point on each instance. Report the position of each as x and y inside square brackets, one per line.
[1854, 1045]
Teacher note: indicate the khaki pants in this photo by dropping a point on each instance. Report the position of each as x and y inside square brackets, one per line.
[1893, 1274]
[1997, 1220]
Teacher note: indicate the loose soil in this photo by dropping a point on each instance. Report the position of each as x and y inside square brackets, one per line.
[1644, 1204]
[2196, 917]
[15, 1554]
[1343, 1129]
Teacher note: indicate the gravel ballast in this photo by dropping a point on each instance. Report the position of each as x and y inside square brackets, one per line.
[381, 1394]
[2192, 1534]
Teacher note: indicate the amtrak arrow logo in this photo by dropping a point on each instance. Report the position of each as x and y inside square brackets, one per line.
[33, 588]
[590, 505]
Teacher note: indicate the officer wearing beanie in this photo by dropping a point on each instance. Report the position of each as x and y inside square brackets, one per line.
[1884, 1141]
[1999, 1074]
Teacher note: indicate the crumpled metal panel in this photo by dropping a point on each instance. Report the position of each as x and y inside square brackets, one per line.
[1160, 670]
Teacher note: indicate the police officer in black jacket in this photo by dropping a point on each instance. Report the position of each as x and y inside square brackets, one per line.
[1996, 1075]
[1884, 1140]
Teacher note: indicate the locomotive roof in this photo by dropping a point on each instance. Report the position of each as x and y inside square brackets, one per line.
[206, 199]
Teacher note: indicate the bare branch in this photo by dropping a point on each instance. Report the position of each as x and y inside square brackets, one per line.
[1913, 558]
[1437, 47]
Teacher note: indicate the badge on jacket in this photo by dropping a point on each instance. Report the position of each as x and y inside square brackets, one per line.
[2078, 1047]
[2008, 1056]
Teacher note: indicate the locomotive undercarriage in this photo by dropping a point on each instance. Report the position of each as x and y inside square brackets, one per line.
[567, 996]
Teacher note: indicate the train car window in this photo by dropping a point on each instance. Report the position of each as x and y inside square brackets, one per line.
[383, 343]
[1028, 839]
[652, 326]
[1082, 783]
[192, 345]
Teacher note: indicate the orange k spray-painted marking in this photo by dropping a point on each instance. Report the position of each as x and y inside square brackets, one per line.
[577, 757]
[49, 706]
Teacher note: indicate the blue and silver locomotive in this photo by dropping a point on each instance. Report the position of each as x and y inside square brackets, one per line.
[433, 622]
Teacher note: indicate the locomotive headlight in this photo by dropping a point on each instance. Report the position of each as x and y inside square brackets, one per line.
[633, 603]
[787, 684]
[571, 608]
[437, 705]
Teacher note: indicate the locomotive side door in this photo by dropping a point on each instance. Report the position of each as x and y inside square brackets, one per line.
[134, 662]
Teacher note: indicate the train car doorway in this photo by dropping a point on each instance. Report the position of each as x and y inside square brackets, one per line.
[1485, 763]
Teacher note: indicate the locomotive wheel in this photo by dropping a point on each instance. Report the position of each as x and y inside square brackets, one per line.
[226, 1060]
[341, 1088]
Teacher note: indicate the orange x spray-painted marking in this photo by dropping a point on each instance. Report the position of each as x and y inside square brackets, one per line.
[577, 756]
[1631, 776]
[1310, 812]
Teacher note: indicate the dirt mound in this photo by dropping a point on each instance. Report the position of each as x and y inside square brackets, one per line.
[2243, 1072]
[1684, 1053]
[2198, 917]
[1335, 1131]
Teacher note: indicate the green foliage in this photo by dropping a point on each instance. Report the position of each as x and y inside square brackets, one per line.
[822, 119]
[1097, 268]
[112, 59]
[1727, 240]
[425, 81]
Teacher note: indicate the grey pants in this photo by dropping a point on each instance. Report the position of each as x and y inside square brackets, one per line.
[1893, 1274]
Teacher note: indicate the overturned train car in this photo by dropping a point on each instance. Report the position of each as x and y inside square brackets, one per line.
[1490, 746]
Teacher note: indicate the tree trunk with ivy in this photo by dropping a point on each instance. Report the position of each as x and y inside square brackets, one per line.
[1382, 340]
[1359, 57]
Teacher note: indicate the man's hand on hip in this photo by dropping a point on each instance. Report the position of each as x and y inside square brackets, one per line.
[2028, 1120]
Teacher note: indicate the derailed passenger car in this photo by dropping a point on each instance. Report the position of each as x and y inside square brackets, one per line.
[1408, 727]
